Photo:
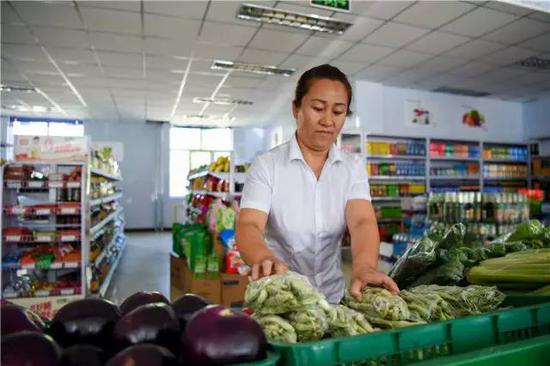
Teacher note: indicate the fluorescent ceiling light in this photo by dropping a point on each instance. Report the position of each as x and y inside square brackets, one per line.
[30, 108]
[221, 101]
[206, 117]
[251, 68]
[535, 63]
[21, 89]
[292, 19]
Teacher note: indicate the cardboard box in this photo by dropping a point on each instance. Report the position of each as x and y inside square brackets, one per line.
[233, 289]
[183, 279]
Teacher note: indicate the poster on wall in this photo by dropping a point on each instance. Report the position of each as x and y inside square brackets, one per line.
[472, 117]
[417, 113]
[51, 148]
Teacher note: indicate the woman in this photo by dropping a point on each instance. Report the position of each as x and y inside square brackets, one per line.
[303, 194]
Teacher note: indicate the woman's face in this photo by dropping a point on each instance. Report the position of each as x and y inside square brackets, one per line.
[321, 114]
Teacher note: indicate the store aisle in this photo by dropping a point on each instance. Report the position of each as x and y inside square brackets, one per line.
[144, 265]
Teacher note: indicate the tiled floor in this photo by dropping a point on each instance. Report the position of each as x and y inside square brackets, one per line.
[145, 265]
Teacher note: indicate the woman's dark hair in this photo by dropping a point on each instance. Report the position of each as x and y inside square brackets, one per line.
[325, 71]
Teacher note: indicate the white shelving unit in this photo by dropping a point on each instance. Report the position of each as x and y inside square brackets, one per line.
[108, 235]
[49, 212]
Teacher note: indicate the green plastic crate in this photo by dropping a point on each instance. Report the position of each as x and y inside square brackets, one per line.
[271, 360]
[409, 345]
[532, 352]
[515, 299]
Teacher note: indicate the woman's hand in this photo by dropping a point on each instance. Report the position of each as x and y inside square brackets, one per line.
[267, 267]
[363, 275]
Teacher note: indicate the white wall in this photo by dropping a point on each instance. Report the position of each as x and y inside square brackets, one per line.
[536, 116]
[247, 143]
[381, 110]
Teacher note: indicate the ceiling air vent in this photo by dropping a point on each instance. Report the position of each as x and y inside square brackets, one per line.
[535, 63]
[457, 91]
[254, 69]
[292, 19]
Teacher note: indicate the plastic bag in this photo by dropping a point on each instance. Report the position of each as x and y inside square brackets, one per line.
[276, 328]
[310, 323]
[281, 293]
[414, 262]
[348, 322]
[380, 303]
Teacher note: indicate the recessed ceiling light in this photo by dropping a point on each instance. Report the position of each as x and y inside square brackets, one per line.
[221, 101]
[21, 89]
[213, 118]
[251, 68]
[292, 19]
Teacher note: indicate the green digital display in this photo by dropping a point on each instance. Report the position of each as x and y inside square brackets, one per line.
[341, 5]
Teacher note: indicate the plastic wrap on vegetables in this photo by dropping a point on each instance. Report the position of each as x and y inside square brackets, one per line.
[348, 322]
[465, 300]
[427, 306]
[279, 294]
[415, 261]
[276, 328]
[310, 323]
[379, 302]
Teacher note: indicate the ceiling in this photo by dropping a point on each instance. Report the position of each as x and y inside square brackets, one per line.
[146, 60]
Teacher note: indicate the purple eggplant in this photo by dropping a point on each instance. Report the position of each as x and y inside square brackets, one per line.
[144, 355]
[141, 298]
[30, 349]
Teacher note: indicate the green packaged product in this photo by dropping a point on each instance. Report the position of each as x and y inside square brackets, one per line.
[380, 303]
[276, 328]
[310, 323]
[348, 322]
[200, 267]
[212, 265]
[281, 293]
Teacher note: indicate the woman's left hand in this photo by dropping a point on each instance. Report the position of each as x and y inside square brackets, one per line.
[364, 275]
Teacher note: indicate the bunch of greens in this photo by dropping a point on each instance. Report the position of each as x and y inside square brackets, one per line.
[277, 328]
[310, 323]
[279, 294]
[349, 322]
[443, 259]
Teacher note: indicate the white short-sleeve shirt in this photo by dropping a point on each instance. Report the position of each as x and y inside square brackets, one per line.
[306, 215]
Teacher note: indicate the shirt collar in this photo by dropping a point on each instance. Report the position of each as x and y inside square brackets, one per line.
[294, 152]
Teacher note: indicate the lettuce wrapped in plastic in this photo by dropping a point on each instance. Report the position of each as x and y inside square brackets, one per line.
[279, 294]
[380, 303]
[468, 300]
[348, 322]
[277, 329]
[427, 306]
[310, 323]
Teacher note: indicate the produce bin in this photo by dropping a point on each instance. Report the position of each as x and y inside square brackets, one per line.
[418, 343]
[517, 300]
[271, 360]
[532, 352]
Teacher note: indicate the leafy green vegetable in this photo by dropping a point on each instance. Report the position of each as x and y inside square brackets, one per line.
[530, 230]
[280, 293]
[379, 302]
[349, 322]
[310, 323]
[276, 328]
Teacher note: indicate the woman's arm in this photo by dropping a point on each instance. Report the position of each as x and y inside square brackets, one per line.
[250, 242]
[365, 245]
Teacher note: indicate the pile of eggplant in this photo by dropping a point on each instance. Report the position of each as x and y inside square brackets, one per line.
[146, 330]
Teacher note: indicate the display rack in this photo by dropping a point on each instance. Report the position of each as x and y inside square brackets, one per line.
[106, 227]
[43, 248]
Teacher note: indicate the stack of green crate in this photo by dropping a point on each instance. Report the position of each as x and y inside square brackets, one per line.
[438, 341]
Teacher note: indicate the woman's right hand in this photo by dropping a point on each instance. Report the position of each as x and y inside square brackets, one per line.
[267, 267]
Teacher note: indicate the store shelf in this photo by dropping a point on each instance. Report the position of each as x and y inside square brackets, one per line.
[215, 194]
[396, 178]
[105, 221]
[511, 161]
[238, 177]
[107, 199]
[402, 157]
[54, 266]
[505, 178]
[541, 177]
[107, 281]
[387, 199]
[27, 184]
[454, 177]
[106, 249]
[100, 172]
[453, 158]
[60, 294]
